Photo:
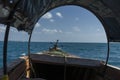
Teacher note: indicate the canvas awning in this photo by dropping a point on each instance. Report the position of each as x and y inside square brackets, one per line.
[28, 12]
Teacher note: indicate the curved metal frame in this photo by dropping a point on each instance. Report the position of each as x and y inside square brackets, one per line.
[108, 52]
[99, 18]
[106, 31]
[5, 50]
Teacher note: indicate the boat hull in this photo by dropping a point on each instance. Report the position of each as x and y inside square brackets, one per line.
[51, 67]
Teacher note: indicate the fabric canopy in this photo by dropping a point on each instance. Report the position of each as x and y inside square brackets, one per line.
[27, 12]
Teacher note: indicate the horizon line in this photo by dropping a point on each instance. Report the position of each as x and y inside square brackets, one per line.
[59, 41]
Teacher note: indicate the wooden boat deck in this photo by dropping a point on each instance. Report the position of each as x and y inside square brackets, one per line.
[33, 79]
[83, 69]
[69, 60]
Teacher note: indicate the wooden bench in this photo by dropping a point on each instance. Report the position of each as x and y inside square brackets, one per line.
[33, 79]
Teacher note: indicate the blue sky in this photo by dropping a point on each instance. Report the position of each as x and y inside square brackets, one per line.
[66, 23]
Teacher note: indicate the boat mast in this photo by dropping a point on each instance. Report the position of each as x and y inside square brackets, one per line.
[56, 45]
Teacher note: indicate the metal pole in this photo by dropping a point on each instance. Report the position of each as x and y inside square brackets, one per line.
[108, 52]
[29, 41]
[5, 49]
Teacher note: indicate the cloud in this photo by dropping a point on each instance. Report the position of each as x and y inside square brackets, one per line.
[52, 20]
[77, 29]
[13, 29]
[59, 15]
[35, 32]
[98, 30]
[76, 18]
[2, 28]
[37, 25]
[45, 30]
[47, 16]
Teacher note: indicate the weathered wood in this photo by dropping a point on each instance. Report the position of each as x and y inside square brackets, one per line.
[112, 73]
[87, 68]
[33, 79]
[52, 59]
[1, 73]
[15, 69]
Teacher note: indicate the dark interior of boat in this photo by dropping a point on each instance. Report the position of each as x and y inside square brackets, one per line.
[59, 72]
[49, 70]
[54, 68]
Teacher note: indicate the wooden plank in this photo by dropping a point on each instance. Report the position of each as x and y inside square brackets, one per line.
[1, 73]
[15, 69]
[112, 73]
[33, 79]
[58, 60]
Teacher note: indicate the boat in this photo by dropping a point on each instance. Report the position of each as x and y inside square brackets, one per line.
[55, 64]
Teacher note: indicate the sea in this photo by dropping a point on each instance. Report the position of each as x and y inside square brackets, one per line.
[96, 51]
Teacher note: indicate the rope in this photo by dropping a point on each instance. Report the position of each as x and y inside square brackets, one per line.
[29, 58]
[5, 77]
[65, 66]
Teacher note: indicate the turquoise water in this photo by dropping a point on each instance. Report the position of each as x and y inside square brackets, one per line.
[87, 50]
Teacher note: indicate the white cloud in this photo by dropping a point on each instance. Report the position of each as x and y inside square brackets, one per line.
[49, 30]
[13, 30]
[2, 28]
[47, 16]
[37, 25]
[98, 30]
[76, 18]
[35, 32]
[77, 29]
[45, 30]
[59, 14]
[52, 20]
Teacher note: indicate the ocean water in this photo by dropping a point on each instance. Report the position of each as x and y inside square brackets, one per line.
[87, 50]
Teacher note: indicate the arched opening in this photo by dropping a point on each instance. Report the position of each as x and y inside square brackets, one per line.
[32, 6]
[80, 33]
[72, 25]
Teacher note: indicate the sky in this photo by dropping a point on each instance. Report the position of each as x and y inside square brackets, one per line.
[66, 23]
